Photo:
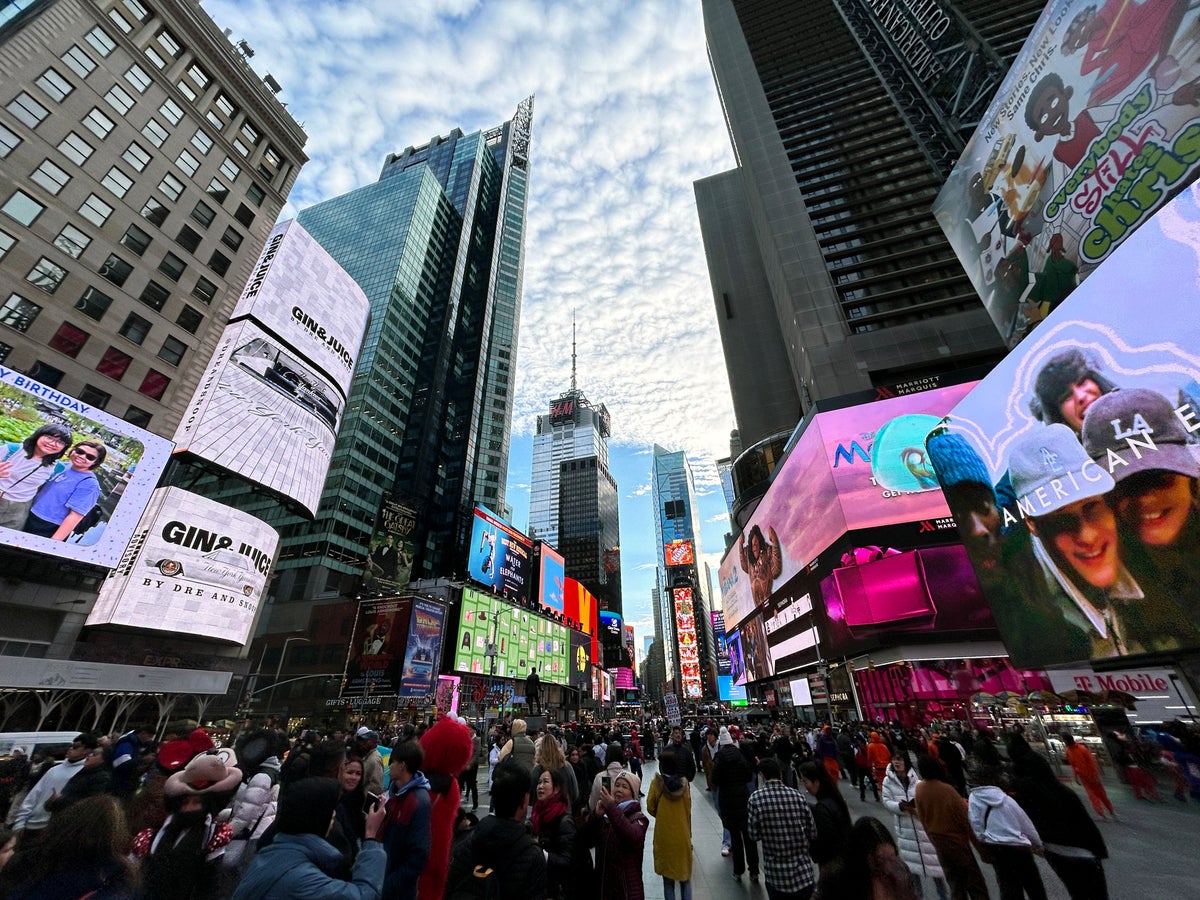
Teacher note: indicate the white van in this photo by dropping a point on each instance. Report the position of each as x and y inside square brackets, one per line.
[53, 742]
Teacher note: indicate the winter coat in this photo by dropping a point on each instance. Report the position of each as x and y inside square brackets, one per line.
[833, 827]
[670, 802]
[687, 759]
[996, 818]
[619, 836]
[914, 845]
[252, 811]
[611, 772]
[506, 847]
[373, 772]
[97, 881]
[300, 867]
[707, 754]
[570, 783]
[557, 839]
[731, 775]
[1059, 816]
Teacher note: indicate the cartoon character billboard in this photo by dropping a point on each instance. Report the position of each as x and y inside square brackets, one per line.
[423, 653]
[1072, 469]
[1095, 127]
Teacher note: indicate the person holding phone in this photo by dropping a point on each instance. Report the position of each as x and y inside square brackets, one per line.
[617, 829]
[354, 804]
[25, 467]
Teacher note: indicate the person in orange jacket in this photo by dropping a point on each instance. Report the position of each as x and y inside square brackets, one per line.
[1087, 773]
[879, 756]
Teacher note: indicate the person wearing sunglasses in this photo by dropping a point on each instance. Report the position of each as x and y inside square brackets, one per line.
[69, 495]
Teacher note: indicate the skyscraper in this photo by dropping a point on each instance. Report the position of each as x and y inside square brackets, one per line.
[589, 528]
[828, 270]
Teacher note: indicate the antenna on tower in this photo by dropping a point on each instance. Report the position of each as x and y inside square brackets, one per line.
[572, 349]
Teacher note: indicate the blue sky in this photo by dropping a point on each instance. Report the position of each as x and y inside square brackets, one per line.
[626, 118]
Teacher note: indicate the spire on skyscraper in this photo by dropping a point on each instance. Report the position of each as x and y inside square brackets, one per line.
[573, 388]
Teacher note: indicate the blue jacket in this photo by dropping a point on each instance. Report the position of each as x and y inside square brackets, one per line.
[297, 867]
[407, 837]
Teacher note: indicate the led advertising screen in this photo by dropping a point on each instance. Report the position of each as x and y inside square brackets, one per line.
[1072, 468]
[728, 691]
[1095, 126]
[522, 640]
[580, 606]
[801, 694]
[377, 648]
[624, 679]
[749, 653]
[423, 653]
[74, 480]
[270, 402]
[789, 625]
[580, 660]
[193, 567]
[856, 467]
[631, 648]
[689, 645]
[551, 578]
[680, 553]
[612, 640]
[389, 561]
[722, 642]
[500, 557]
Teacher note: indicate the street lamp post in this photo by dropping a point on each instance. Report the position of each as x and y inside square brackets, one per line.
[279, 670]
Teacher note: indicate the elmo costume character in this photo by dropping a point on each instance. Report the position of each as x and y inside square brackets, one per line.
[447, 747]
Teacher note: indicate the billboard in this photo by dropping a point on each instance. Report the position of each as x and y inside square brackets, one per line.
[856, 467]
[722, 642]
[1095, 126]
[500, 558]
[727, 690]
[377, 648]
[74, 480]
[688, 643]
[680, 553]
[631, 648]
[801, 694]
[611, 633]
[580, 606]
[579, 660]
[1072, 468]
[423, 651]
[390, 552]
[624, 679]
[270, 402]
[193, 567]
[522, 640]
[551, 578]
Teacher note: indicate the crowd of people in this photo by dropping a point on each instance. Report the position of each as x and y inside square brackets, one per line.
[329, 815]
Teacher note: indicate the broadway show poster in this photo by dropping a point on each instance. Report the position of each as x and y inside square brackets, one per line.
[500, 558]
[389, 560]
[424, 648]
[377, 648]
[1072, 469]
[1095, 127]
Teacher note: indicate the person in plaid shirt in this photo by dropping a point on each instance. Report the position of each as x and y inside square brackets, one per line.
[780, 818]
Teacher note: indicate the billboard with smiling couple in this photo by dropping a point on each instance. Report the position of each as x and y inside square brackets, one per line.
[1073, 469]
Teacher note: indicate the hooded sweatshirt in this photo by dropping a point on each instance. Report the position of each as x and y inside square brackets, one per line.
[997, 819]
[506, 847]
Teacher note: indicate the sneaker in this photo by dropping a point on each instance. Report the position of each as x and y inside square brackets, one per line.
[724, 849]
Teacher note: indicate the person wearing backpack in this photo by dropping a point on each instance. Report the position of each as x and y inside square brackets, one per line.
[498, 859]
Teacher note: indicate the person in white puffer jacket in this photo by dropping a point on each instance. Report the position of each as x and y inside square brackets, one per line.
[1009, 839]
[916, 850]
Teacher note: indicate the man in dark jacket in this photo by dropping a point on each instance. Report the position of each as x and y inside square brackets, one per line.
[732, 776]
[407, 834]
[126, 754]
[683, 752]
[499, 849]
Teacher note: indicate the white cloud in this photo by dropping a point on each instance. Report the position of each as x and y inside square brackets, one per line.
[625, 119]
[719, 517]
[641, 490]
[645, 567]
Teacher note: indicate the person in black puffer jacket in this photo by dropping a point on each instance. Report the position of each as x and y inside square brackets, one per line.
[731, 774]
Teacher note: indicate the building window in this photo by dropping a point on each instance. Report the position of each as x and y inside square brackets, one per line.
[114, 363]
[75, 148]
[138, 417]
[187, 90]
[230, 169]
[118, 98]
[45, 373]
[172, 266]
[98, 123]
[155, 212]
[249, 132]
[167, 41]
[18, 313]
[217, 191]
[72, 241]
[116, 269]
[188, 239]
[9, 140]
[155, 57]
[171, 111]
[189, 319]
[201, 141]
[255, 194]
[240, 147]
[203, 213]
[155, 133]
[95, 210]
[55, 86]
[78, 61]
[134, 329]
[204, 291]
[135, 239]
[99, 41]
[154, 385]
[117, 182]
[188, 163]
[7, 242]
[171, 186]
[244, 214]
[155, 295]
[22, 207]
[5, 349]
[218, 262]
[199, 76]
[27, 110]
[69, 340]
[46, 275]
[93, 396]
[172, 351]
[50, 176]
[93, 304]
[231, 238]
[137, 78]
[136, 156]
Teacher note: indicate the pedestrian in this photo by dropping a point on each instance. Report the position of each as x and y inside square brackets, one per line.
[550, 758]
[615, 757]
[779, 816]
[869, 867]
[617, 829]
[367, 742]
[943, 814]
[353, 804]
[554, 831]
[880, 758]
[470, 778]
[1083, 762]
[446, 748]
[33, 816]
[128, 751]
[407, 829]
[1009, 841]
[732, 776]
[8, 845]
[849, 757]
[95, 778]
[830, 813]
[685, 754]
[519, 745]
[648, 742]
[669, 801]
[826, 751]
[916, 850]
[862, 772]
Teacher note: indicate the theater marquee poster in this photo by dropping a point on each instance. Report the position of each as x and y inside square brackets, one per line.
[1095, 127]
[1073, 469]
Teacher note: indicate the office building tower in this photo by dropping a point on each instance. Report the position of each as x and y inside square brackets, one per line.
[589, 528]
[828, 270]
[144, 164]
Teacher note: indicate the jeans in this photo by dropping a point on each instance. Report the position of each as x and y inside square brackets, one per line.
[716, 799]
[743, 850]
[774, 893]
[685, 889]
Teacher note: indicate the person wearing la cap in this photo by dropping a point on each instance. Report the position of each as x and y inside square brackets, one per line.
[1138, 437]
[1061, 493]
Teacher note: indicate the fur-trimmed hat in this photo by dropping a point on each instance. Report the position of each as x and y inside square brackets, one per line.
[1054, 382]
[209, 773]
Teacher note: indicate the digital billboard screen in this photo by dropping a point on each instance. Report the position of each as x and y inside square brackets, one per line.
[689, 645]
[423, 653]
[193, 566]
[551, 578]
[856, 467]
[1093, 129]
[1070, 469]
[377, 648]
[580, 606]
[500, 558]
[624, 679]
[270, 402]
[801, 693]
[612, 639]
[631, 647]
[722, 642]
[728, 691]
[522, 640]
[74, 480]
[680, 553]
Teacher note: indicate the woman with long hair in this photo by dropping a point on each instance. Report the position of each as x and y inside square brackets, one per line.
[554, 830]
[82, 853]
[550, 758]
[916, 850]
[831, 814]
[351, 813]
[25, 467]
[869, 867]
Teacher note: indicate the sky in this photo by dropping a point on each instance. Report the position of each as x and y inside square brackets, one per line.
[626, 117]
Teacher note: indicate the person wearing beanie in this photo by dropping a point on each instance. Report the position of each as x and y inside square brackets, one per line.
[732, 775]
[1068, 383]
[299, 862]
[615, 763]
[670, 802]
[617, 829]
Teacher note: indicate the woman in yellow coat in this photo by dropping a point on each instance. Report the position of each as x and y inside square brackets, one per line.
[670, 802]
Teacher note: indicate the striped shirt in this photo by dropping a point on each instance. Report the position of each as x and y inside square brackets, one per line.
[781, 819]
